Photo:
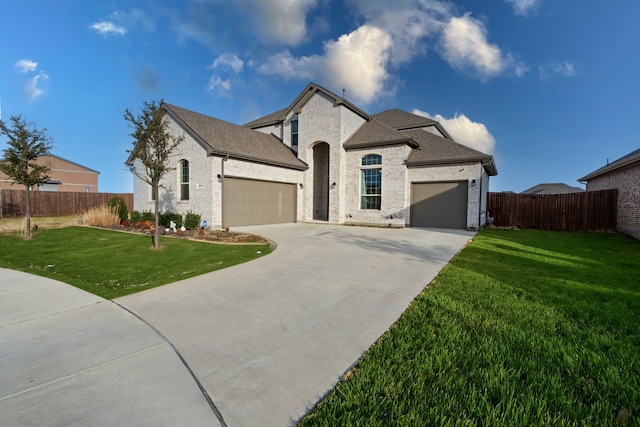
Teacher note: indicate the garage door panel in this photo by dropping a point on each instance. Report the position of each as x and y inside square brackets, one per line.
[253, 202]
[439, 204]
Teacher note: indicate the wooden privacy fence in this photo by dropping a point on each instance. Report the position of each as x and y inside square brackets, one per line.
[55, 203]
[585, 211]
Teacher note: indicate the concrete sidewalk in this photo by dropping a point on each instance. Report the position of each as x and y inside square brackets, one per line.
[268, 338]
[70, 358]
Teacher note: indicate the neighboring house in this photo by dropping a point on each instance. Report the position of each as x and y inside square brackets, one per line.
[553, 188]
[64, 175]
[323, 159]
[623, 175]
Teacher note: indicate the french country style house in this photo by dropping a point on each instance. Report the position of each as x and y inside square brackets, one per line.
[323, 159]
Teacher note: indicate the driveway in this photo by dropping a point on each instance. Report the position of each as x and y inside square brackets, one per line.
[267, 339]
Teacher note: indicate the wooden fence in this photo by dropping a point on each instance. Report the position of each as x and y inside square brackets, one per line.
[585, 211]
[55, 203]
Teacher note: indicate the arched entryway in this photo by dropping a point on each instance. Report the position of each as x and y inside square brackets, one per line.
[321, 182]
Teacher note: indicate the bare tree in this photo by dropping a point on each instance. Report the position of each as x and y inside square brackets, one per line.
[26, 144]
[152, 148]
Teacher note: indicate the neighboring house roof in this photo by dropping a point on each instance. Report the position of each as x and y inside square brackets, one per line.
[435, 150]
[629, 159]
[227, 139]
[44, 158]
[552, 188]
[299, 102]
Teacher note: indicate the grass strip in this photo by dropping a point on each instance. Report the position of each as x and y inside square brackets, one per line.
[113, 264]
[522, 328]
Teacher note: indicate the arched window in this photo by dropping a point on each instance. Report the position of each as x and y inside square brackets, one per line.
[183, 177]
[371, 182]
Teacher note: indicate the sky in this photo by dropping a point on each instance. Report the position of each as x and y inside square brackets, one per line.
[550, 88]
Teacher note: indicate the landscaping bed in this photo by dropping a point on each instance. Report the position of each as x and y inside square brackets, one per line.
[208, 235]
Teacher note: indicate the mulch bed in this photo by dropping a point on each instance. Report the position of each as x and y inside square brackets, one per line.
[217, 236]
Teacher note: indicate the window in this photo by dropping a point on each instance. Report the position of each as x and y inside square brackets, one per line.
[183, 171]
[294, 132]
[371, 182]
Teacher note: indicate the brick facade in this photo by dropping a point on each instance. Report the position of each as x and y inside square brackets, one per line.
[627, 182]
[325, 123]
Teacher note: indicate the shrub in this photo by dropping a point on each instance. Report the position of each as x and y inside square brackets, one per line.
[102, 216]
[168, 216]
[137, 216]
[119, 207]
[192, 221]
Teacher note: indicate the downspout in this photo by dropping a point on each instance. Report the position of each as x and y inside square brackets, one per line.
[224, 159]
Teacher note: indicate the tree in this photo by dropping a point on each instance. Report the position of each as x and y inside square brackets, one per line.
[152, 148]
[26, 144]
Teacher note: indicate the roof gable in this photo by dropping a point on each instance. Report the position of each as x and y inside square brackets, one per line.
[629, 159]
[375, 133]
[299, 102]
[227, 139]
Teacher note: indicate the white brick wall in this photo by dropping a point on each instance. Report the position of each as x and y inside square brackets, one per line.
[320, 120]
[394, 209]
[201, 181]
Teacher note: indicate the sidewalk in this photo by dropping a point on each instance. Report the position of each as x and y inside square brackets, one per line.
[71, 358]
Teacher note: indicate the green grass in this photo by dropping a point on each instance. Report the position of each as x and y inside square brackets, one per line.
[522, 328]
[112, 264]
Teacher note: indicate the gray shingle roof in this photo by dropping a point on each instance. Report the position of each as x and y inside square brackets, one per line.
[224, 138]
[268, 120]
[435, 149]
[623, 161]
[374, 133]
[552, 188]
[399, 119]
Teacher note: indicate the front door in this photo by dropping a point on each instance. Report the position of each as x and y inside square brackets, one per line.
[321, 182]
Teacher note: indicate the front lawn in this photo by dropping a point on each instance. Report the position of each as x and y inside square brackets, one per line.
[113, 264]
[522, 328]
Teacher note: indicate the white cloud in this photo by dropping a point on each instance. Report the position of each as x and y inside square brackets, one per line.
[466, 48]
[356, 62]
[26, 65]
[564, 69]
[465, 131]
[32, 88]
[228, 61]
[106, 28]
[279, 21]
[522, 7]
[219, 86]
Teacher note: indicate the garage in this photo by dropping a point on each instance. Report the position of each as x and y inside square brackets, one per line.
[254, 202]
[439, 204]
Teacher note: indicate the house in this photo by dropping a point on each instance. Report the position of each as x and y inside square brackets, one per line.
[64, 175]
[623, 175]
[324, 159]
[552, 188]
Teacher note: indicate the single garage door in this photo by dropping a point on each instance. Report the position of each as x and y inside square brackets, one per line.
[253, 202]
[439, 204]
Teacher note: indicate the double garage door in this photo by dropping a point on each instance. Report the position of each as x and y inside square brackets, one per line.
[253, 202]
[439, 204]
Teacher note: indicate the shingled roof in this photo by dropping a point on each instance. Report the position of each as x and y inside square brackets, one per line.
[552, 188]
[633, 157]
[435, 150]
[227, 139]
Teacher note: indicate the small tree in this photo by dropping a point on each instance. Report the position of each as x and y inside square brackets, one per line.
[152, 147]
[26, 144]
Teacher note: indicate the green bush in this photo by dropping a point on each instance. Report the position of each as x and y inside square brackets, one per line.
[192, 221]
[118, 206]
[168, 216]
[137, 216]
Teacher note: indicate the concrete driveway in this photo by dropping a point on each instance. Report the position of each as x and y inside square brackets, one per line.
[267, 339]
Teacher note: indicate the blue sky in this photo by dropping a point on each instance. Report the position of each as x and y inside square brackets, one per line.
[551, 88]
